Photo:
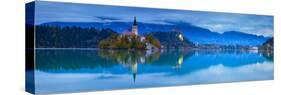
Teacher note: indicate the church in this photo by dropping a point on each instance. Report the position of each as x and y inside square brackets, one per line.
[133, 30]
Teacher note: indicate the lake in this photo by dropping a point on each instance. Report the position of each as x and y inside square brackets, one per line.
[60, 71]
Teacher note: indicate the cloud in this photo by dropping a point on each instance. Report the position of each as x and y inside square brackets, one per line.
[107, 18]
[215, 21]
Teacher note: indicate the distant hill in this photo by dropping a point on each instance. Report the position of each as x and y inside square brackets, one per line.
[171, 39]
[268, 45]
[195, 34]
[199, 35]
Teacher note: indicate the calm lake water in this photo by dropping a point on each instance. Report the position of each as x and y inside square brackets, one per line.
[59, 71]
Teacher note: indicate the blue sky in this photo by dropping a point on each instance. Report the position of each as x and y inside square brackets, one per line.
[216, 22]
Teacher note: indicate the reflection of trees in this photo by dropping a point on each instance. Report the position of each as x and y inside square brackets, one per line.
[173, 58]
[153, 61]
[129, 57]
[92, 59]
[269, 55]
[77, 59]
[70, 60]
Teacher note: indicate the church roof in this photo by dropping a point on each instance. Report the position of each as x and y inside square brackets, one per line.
[128, 33]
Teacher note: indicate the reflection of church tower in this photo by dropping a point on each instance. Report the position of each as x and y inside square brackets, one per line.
[134, 70]
[135, 27]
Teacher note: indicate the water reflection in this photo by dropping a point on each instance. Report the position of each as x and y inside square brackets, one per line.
[58, 70]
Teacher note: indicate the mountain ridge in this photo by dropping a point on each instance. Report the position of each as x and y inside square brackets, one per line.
[195, 34]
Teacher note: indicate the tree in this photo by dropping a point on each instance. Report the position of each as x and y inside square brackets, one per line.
[153, 41]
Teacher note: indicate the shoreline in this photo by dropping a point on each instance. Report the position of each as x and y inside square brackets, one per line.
[192, 49]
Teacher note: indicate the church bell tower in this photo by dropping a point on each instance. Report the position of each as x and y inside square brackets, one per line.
[135, 27]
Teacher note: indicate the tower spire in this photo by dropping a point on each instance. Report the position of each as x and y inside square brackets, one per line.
[135, 27]
[135, 21]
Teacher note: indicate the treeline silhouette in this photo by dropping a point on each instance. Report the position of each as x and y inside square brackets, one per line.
[69, 37]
